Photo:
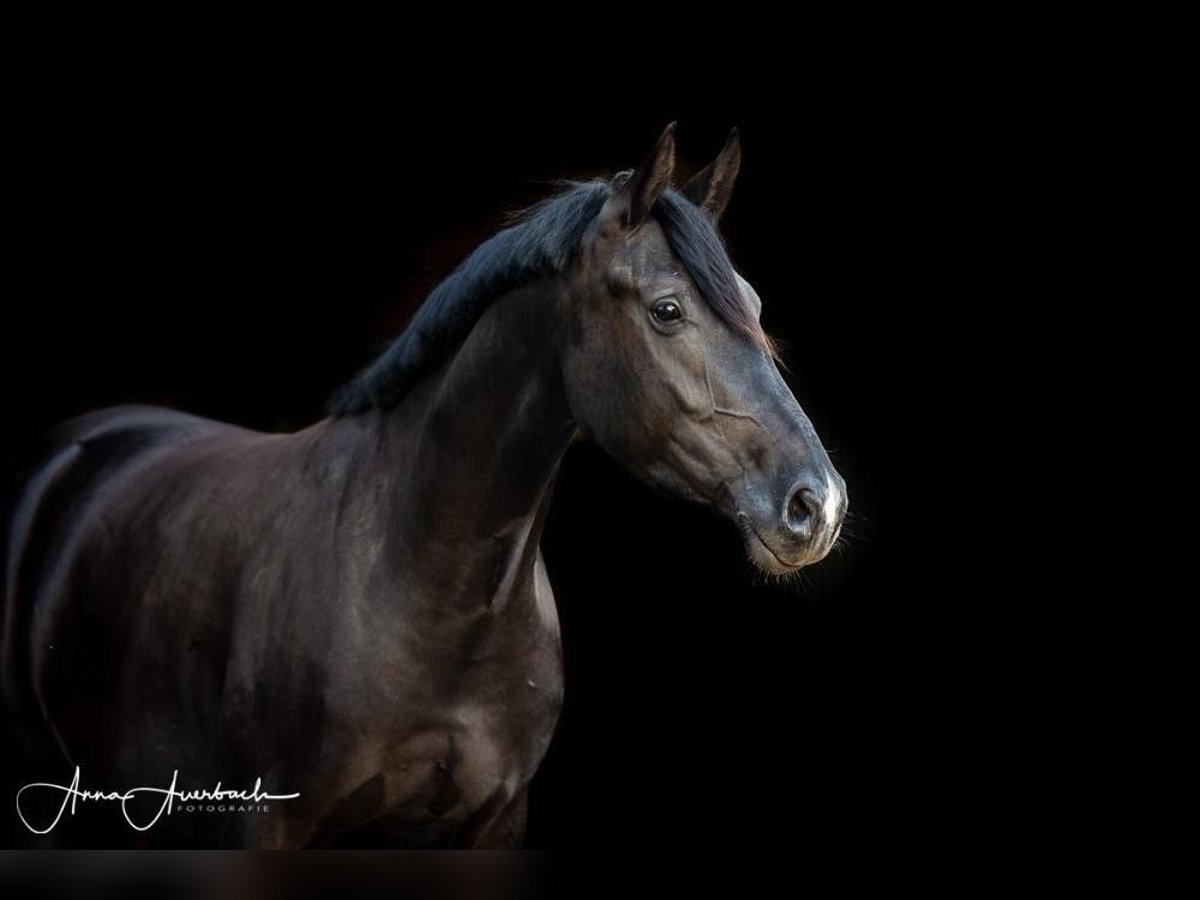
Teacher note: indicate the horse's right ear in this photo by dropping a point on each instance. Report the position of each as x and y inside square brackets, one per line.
[637, 193]
[712, 186]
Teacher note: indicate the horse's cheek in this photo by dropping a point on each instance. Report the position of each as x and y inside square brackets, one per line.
[685, 383]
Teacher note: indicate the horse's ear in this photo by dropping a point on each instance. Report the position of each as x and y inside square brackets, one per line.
[637, 193]
[712, 186]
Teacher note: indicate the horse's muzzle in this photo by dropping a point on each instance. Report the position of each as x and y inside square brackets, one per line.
[805, 528]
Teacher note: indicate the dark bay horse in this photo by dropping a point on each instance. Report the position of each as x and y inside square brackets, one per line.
[359, 612]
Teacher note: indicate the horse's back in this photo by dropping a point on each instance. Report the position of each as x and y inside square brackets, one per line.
[50, 483]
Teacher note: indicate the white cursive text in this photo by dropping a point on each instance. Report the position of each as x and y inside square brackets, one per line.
[71, 793]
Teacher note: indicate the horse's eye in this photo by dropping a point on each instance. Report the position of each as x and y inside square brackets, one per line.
[667, 311]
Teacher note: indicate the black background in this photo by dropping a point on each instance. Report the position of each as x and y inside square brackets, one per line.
[237, 243]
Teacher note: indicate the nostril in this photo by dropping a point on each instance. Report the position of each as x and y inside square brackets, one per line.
[802, 508]
[797, 511]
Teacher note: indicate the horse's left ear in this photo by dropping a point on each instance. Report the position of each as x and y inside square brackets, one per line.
[634, 197]
[712, 186]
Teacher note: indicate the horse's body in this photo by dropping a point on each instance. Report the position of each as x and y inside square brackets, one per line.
[300, 607]
[359, 611]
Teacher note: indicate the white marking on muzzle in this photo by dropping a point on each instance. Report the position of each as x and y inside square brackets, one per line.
[833, 500]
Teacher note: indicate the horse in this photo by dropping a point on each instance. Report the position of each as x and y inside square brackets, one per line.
[357, 615]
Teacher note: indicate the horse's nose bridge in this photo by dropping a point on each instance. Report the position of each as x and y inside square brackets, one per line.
[775, 435]
[817, 455]
[793, 434]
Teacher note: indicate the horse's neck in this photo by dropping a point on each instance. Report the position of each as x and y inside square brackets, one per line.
[481, 442]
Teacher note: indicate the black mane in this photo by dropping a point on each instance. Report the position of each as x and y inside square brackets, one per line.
[543, 242]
